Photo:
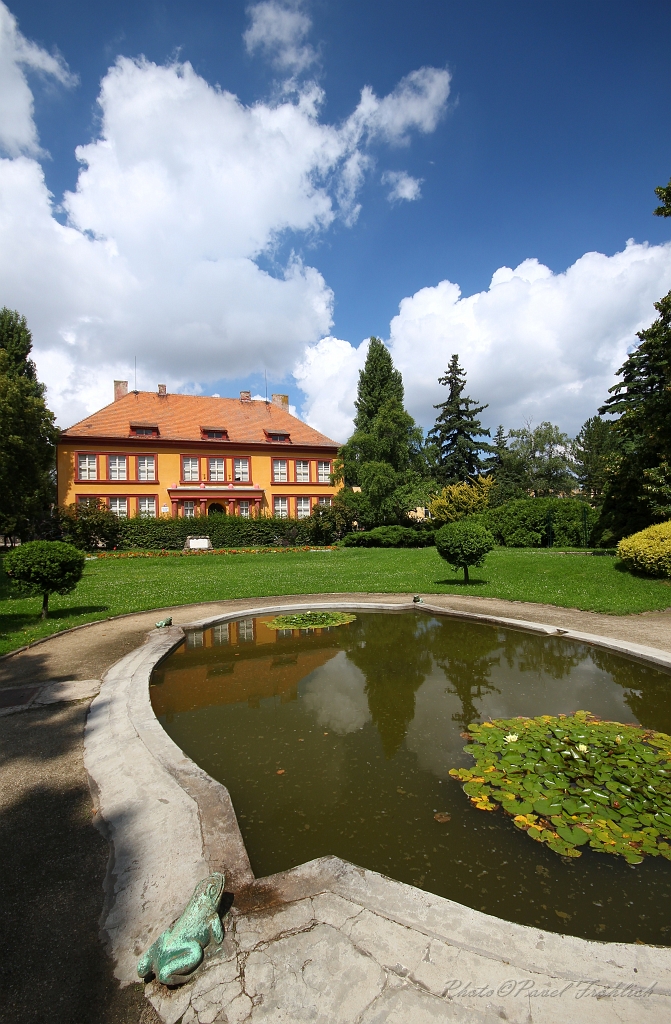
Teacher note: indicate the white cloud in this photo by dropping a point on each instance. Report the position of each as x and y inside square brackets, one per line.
[178, 197]
[336, 695]
[535, 345]
[17, 54]
[403, 186]
[279, 31]
[417, 103]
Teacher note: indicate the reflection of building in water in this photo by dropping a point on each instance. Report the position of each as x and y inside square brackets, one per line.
[241, 661]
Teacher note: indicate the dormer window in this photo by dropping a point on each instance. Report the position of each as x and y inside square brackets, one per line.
[144, 429]
[278, 436]
[214, 433]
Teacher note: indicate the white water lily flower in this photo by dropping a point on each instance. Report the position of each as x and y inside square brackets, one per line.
[512, 737]
[582, 748]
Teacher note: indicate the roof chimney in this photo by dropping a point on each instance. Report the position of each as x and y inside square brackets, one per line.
[245, 396]
[120, 389]
[162, 390]
[282, 401]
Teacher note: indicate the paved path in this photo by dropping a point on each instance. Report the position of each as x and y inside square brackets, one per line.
[54, 860]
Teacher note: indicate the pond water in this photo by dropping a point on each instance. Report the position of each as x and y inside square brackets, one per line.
[339, 741]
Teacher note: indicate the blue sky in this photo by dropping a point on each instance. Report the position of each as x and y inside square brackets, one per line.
[548, 147]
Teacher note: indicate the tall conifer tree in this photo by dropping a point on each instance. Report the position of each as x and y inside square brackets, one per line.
[27, 432]
[457, 429]
[379, 382]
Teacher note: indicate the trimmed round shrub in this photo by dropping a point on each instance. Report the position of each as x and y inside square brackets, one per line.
[45, 567]
[648, 551]
[463, 544]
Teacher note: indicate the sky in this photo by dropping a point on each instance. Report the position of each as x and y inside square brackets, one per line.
[231, 193]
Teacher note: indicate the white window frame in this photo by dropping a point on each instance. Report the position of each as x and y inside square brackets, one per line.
[302, 471]
[323, 472]
[216, 468]
[117, 467]
[241, 471]
[303, 510]
[221, 634]
[245, 631]
[149, 513]
[195, 638]
[89, 465]
[189, 510]
[325, 501]
[281, 508]
[188, 462]
[280, 471]
[244, 508]
[146, 467]
[121, 510]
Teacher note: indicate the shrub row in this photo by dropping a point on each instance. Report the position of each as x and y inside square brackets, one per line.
[648, 551]
[541, 522]
[389, 537]
[224, 532]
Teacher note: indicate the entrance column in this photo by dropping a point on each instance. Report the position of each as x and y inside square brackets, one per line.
[174, 510]
[203, 503]
[257, 507]
[231, 506]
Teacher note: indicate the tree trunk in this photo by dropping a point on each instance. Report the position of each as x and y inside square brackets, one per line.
[465, 574]
[45, 605]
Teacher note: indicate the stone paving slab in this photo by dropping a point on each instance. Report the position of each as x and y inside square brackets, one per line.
[326, 941]
[20, 698]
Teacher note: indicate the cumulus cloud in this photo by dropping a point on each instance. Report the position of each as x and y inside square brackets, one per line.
[336, 696]
[279, 31]
[178, 197]
[18, 55]
[536, 345]
[403, 186]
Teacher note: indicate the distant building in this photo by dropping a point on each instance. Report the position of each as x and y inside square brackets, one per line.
[152, 453]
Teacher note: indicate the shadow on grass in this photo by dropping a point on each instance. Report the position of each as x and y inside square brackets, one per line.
[461, 583]
[11, 621]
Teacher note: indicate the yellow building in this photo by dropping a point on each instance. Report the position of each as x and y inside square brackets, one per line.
[152, 453]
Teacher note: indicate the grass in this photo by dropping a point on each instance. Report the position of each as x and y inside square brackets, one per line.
[114, 586]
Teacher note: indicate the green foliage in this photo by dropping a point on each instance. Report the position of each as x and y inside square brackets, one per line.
[389, 537]
[663, 193]
[642, 432]
[542, 522]
[572, 780]
[379, 382]
[463, 544]
[90, 525]
[456, 501]
[593, 450]
[45, 567]
[384, 456]
[224, 531]
[27, 432]
[546, 455]
[456, 430]
[508, 469]
[310, 620]
[329, 523]
[648, 551]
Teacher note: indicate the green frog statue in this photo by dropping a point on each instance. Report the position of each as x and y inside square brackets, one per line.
[179, 949]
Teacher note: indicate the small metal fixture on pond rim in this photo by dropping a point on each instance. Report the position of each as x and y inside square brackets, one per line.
[164, 622]
[417, 599]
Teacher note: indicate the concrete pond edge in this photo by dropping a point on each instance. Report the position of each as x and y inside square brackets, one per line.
[169, 824]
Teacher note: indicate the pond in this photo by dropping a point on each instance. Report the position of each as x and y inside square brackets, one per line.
[340, 741]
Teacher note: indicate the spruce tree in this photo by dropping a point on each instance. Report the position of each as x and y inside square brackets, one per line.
[456, 430]
[378, 383]
[642, 431]
[592, 450]
[27, 432]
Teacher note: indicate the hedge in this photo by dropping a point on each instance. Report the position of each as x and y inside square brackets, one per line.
[540, 522]
[389, 537]
[648, 551]
[224, 531]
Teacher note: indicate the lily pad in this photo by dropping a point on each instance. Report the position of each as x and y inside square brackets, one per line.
[310, 620]
[573, 781]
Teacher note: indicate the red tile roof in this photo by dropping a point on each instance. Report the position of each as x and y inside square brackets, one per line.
[181, 417]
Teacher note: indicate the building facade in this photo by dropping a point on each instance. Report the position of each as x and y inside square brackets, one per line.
[154, 453]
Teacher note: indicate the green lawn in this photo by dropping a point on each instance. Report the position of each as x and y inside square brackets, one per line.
[114, 586]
